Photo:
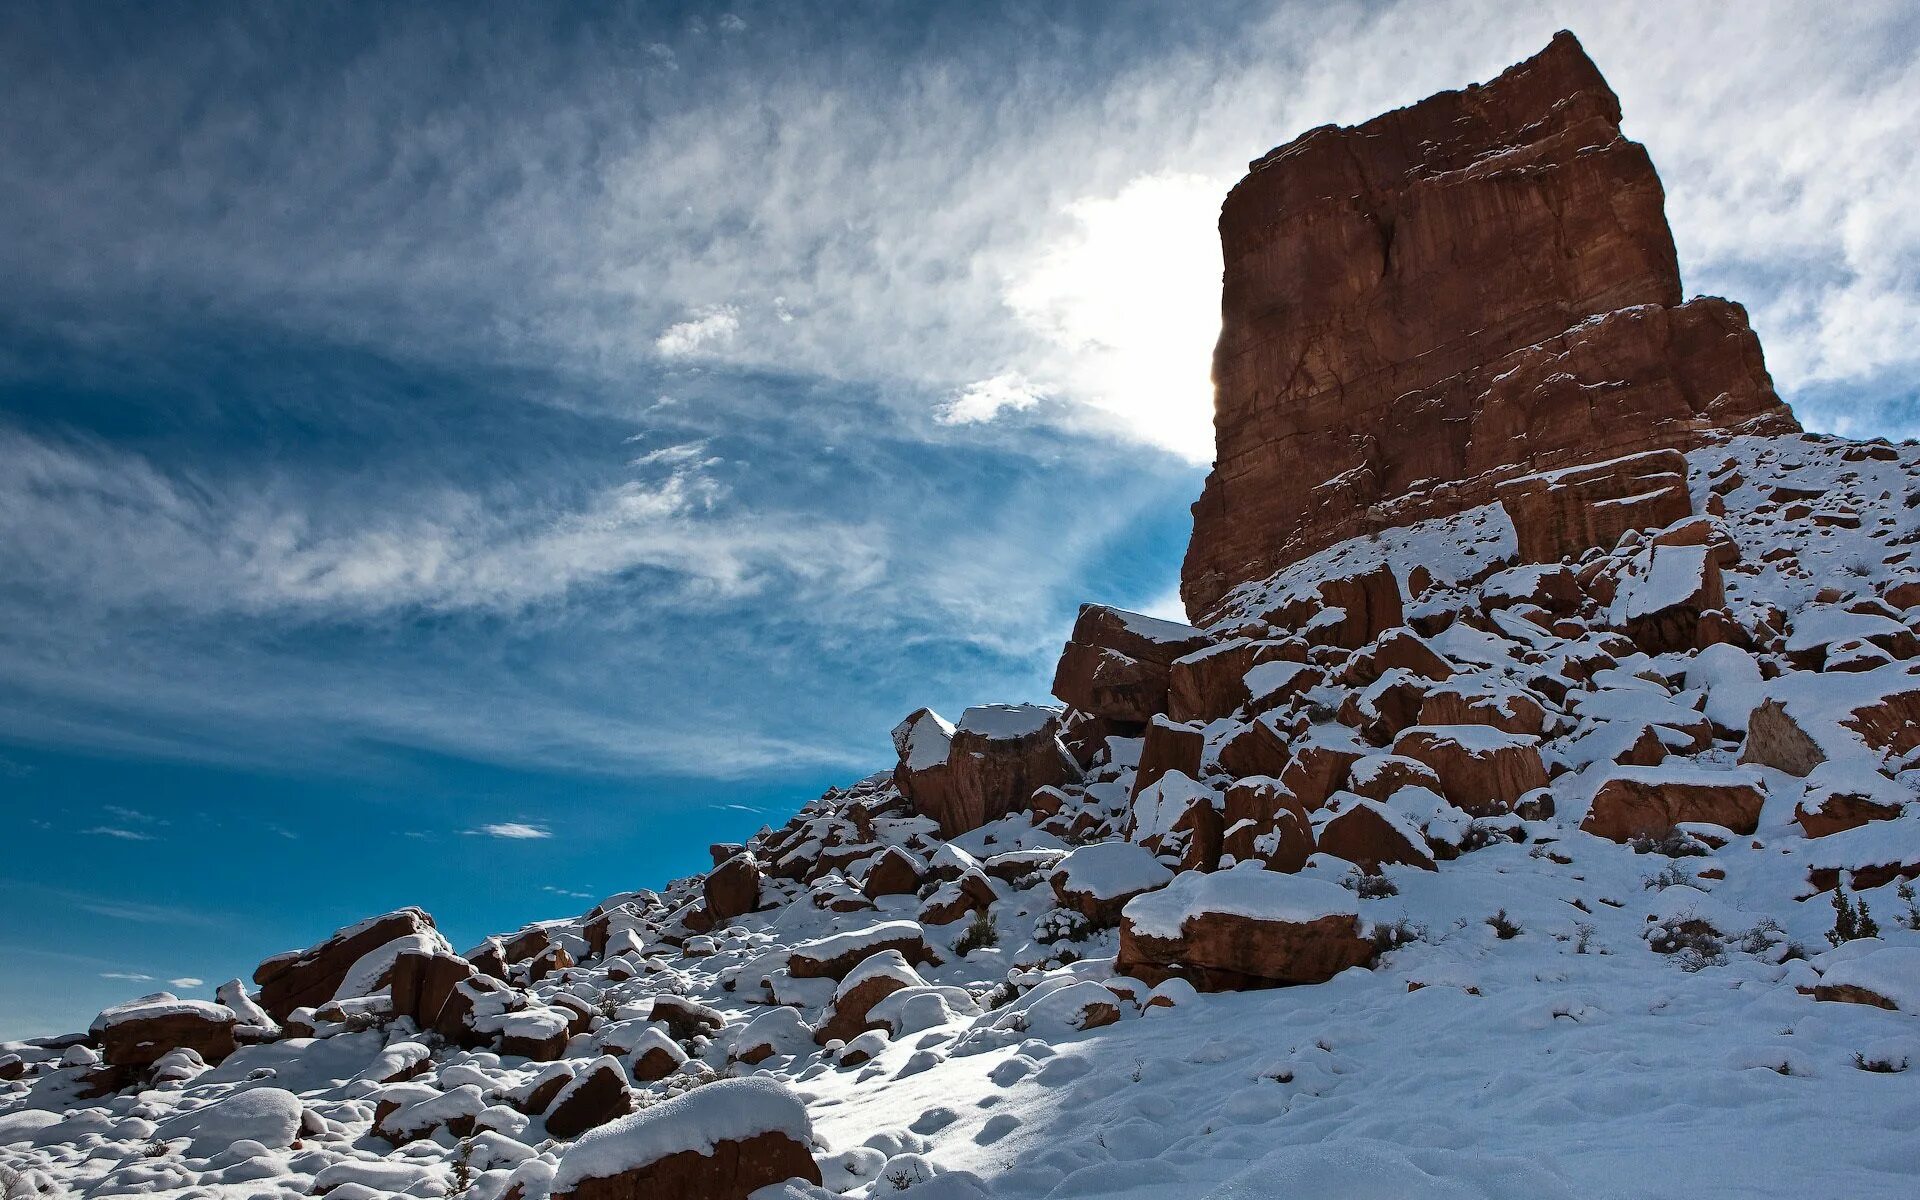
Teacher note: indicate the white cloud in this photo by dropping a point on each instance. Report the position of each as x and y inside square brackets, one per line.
[515, 831]
[987, 399]
[127, 976]
[125, 835]
[709, 332]
[186, 981]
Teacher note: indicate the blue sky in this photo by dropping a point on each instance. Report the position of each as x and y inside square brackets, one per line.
[424, 425]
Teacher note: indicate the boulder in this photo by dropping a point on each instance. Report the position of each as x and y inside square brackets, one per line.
[877, 977]
[1369, 835]
[732, 889]
[1659, 602]
[311, 977]
[422, 981]
[1001, 753]
[1263, 822]
[722, 1141]
[1806, 719]
[1116, 663]
[1457, 293]
[1482, 770]
[1240, 929]
[923, 742]
[893, 873]
[654, 1057]
[1346, 610]
[833, 956]
[1097, 881]
[686, 1018]
[1169, 746]
[1649, 801]
[137, 1034]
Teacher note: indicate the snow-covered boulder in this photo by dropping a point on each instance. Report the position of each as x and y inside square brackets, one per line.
[352, 962]
[139, 1033]
[1244, 928]
[1482, 769]
[1649, 801]
[833, 956]
[721, 1141]
[1097, 881]
[1116, 663]
[596, 1095]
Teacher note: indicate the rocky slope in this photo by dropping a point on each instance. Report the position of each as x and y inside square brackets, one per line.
[1555, 844]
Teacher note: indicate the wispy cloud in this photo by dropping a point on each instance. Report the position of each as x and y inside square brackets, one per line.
[514, 831]
[186, 981]
[125, 835]
[127, 976]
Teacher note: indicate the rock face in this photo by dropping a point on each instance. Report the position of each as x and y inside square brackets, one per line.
[1416, 309]
[1558, 513]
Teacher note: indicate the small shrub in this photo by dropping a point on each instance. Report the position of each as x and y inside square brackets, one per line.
[1671, 875]
[1672, 844]
[1390, 936]
[1583, 932]
[1851, 921]
[1060, 925]
[1693, 943]
[462, 1170]
[1369, 887]
[1881, 1066]
[1911, 919]
[1480, 835]
[980, 932]
[1504, 927]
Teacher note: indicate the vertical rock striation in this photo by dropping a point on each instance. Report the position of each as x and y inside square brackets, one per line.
[1477, 287]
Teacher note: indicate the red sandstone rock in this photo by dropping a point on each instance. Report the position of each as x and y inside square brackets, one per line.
[1240, 929]
[309, 978]
[136, 1034]
[1482, 770]
[924, 740]
[1116, 663]
[1000, 755]
[1170, 746]
[422, 981]
[1649, 801]
[1370, 835]
[732, 889]
[894, 873]
[595, 1096]
[1474, 288]
[1558, 514]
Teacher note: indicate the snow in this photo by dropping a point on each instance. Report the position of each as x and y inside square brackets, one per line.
[923, 739]
[1155, 629]
[158, 1005]
[1663, 577]
[1264, 679]
[268, 1115]
[1256, 894]
[835, 945]
[729, 1110]
[1108, 870]
[1732, 680]
[1006, 722]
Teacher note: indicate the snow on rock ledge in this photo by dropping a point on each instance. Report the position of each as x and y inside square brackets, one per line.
[725, 1139]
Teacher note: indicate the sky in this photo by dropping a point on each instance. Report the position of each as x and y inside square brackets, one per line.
[479, 455]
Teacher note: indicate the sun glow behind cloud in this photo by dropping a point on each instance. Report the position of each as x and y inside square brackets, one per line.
[1127, 303]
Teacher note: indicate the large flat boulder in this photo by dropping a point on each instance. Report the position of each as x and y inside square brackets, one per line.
[1240, 929]
[1648, 801]
[722, 1141]
[311, 977]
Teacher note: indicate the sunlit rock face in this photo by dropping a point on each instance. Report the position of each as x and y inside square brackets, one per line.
[1476, 287]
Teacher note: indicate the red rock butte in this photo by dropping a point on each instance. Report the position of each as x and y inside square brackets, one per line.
[1474, 288]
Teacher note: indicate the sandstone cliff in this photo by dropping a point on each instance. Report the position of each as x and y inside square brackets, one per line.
[1477, 287]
